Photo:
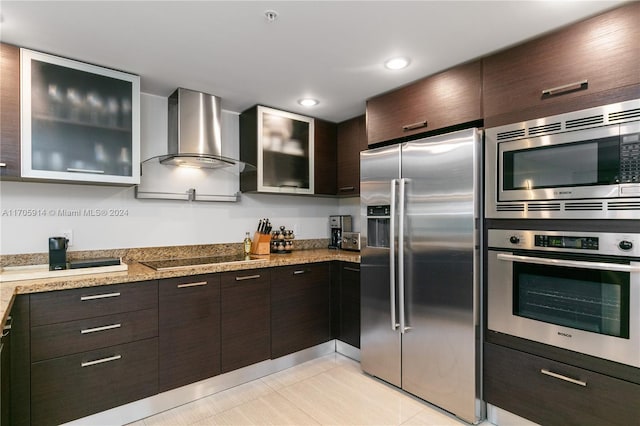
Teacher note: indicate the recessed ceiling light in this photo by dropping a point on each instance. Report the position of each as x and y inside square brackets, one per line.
[308, 102]
[397, 63]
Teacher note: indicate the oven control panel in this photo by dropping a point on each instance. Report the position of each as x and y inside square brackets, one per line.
[600, 243]
[563, 241]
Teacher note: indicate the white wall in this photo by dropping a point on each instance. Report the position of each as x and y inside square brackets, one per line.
[149, 223]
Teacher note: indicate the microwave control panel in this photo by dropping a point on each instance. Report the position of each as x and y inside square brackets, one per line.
[630, 158]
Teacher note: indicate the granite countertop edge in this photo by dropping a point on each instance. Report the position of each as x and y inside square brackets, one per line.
[138, 272]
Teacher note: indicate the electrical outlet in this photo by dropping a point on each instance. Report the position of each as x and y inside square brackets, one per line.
[68, 234]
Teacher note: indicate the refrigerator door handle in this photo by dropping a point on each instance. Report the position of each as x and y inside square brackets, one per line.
[392, 255]
[401, 213]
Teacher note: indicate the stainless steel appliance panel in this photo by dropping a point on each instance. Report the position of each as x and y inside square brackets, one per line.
[379, 341]
[594, 307]
[578, 165]
[440, 284]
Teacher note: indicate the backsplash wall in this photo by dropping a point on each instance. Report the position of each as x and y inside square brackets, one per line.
[131, 222]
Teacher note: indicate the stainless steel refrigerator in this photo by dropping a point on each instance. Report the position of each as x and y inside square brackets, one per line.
[420, 293]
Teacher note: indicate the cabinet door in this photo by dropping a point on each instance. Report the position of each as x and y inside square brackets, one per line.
[9, 110]
[591, 63]
[189, 334]
[80, 122]
[5, 376]
[350, 304]
[449, 98]
[300, 307]
[325, 157]
[281, 145]
[553, 393]
[245, 318]
[352, 139]
[74, 386]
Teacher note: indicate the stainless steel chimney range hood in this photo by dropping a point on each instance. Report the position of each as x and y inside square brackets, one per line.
[195, 143]
[195, 136]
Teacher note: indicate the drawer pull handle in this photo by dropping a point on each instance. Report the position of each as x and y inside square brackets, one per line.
[247, 277]
[566, 88]
[3, 164]
[99, 296]
[561, 377]
[74, 170]
[198, 284]
[301, 271]
[347, 188]
[414, 126]
[101, 361]
[346, 268]
[103, 328]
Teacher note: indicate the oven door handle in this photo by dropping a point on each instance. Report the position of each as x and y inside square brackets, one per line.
[571, 263]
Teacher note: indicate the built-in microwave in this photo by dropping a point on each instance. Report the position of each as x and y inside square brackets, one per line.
[578, 291]
[584, 164]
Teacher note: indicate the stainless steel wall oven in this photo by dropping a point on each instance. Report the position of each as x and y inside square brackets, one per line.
[579, 165]
[574, 290]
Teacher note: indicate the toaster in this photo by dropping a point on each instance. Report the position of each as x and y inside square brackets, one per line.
[351, 241]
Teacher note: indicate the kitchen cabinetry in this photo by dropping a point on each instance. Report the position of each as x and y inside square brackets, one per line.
[449, 98]
[349, 304]
[5, 375]
[80, 122]
[20, 376]
[281, 145]
[351, 139]
[9, 111]
[325, 161]
[553, 393]
[246, 318]
[594, 62]
[189, 335]
[92, 349]
[300, 307]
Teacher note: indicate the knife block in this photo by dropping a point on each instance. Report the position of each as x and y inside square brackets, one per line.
[261, 243]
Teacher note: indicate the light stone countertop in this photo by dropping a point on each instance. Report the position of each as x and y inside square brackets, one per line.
[138, 272]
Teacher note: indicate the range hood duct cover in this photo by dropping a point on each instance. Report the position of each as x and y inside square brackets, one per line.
[195, 136]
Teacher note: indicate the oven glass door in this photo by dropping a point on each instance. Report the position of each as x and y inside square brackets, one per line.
[580, 298]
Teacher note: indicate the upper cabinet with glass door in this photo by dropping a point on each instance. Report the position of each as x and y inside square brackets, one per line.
[80, 122]
[281, 144]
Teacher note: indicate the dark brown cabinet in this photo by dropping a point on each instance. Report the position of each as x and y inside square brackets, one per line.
[189, 329]
[591, 63]
[246, 318]
[325, 172]
[300, 307]
[449, 98]
[351, 140]
[9, 111]
[553, 393]
[5, 375]
[349, 304]
[91, 349]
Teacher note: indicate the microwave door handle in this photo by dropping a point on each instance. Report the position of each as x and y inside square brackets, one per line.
[392, 255]
[570, 263]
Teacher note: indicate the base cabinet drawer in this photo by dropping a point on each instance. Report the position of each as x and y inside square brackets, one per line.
[552, 393]
[69, 305]
[102, 379]
[55, 340]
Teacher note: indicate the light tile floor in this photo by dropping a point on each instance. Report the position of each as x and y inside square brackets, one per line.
[331, 390]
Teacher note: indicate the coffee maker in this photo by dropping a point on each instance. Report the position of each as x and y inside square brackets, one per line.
[58, 253]
[338, 225]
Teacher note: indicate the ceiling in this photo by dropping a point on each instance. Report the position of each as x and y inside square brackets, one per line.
[329, 50]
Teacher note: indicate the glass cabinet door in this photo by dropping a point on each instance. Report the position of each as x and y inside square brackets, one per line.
[80, 122]
[285, 152]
